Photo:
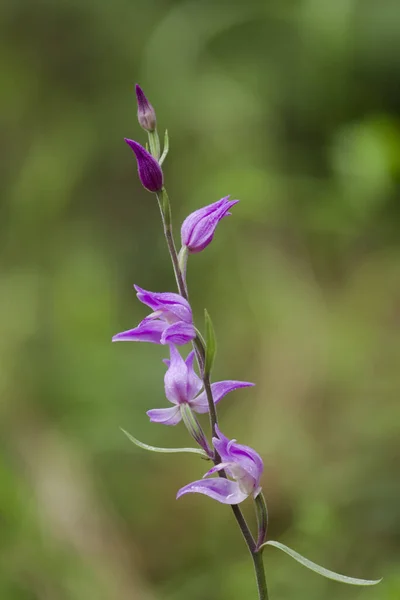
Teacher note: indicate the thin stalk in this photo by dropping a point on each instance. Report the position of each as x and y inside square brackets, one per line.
[165, 211]
[260, 575]
[162, 200]
[262, 519]
[195, 429]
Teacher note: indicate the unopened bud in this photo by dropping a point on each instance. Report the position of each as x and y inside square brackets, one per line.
[150, 173]
[146, 113]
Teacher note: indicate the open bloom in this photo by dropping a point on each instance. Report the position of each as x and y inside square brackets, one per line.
[198, 228]
[170, 323]
[241, 463]
[182, 386]
[150, 173]
[146, 114]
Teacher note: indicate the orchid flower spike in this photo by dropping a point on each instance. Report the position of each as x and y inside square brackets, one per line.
[198, 228]
[170, 323]
[182, 386]
[146, 113]
[241, 463]
[150, 173]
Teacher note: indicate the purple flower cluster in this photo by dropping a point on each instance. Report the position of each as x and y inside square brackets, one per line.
[171, 323]
[239, 468]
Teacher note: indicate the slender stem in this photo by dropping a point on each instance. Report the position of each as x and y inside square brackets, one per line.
[207, 385]
[244, 528]
[262, 519]
[260, 575]
[195, 429]
[163, 198]
[165, 211]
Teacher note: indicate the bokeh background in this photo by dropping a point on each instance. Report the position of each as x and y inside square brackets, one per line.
[291, 106]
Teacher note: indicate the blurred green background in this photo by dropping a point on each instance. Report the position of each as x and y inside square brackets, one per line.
[291, 106]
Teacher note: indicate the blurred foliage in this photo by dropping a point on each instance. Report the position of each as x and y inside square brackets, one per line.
[291, 106]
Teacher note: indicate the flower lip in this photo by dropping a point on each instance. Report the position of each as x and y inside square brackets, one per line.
[150, 173]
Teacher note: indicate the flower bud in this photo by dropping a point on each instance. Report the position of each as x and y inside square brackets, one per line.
[150, 173]
[146, 113]
[198, 228]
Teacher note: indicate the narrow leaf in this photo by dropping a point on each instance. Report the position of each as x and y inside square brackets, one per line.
[211, 344]
[163, 450]
[166, 148]
[314, 567]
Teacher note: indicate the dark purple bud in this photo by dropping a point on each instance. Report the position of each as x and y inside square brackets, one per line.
[150, 173]
[146, 113]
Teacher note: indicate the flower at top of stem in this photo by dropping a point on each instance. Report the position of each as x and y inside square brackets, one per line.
[243, 466]
[171, 321]
[183, 386]
[199, 227]
[146, 113]
[150, 173]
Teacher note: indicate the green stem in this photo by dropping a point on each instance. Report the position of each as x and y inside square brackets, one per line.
[195, 429]
[262, 519]
[165, 211]
[260, 575]
[154, 144]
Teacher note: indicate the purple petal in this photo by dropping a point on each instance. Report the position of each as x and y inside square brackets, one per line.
[219, 390]
[150, 173]
[248, 458]
[194, 382]
[223, 490]
[198, 228]
[176, 378]
[146, 331]
[244, 456]
[173, 306]
[146, 114]
[221, 443]
[179, 334]
[236, 472]
[166, 416]
[219, 467]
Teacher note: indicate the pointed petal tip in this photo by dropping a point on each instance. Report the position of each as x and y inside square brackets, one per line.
[165, 416]
[222, 490]
[118, 337]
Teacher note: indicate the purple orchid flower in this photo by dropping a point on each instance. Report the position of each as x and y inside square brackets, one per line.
[182, 386]
[241, 463]
[146, 113]
[198, 228]
[150, 173]
[170, 323]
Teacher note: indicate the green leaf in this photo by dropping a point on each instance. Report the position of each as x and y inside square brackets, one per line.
[163, 450]
[324, 572]
[166, 148]
[211, 344]
[154, 143]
